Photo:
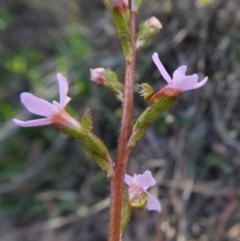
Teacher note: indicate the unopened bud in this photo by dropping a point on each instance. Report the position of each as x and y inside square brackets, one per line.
[97, 75]
[153, 22]
[120, 4]
[108, 79]
[148, 29]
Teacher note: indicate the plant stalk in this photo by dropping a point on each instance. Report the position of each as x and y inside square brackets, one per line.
[123, 151]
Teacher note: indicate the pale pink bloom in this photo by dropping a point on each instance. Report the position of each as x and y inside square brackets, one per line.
[54, 112]
[180, 82]
[138, 184]
[97, 75]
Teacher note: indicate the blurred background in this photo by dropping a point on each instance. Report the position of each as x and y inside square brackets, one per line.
[50, 190]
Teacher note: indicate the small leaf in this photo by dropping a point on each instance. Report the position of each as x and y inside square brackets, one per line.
[126, 211]
[86, 120]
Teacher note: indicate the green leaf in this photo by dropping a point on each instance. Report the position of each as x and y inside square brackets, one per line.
[86, 120]
[126, 211]
[149, 116]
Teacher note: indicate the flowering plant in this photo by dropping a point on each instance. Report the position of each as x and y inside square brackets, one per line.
[134, 194]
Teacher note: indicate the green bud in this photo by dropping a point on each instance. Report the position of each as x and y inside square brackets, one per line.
[149, 116]
[147, 30]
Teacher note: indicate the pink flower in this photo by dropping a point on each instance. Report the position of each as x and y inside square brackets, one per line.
[180, 82]
[138, 185]
[54, 112]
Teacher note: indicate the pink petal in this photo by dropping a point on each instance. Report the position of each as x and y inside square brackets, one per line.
[161, 68]
[63, 89]
[58, 105]
[201, 83]
[185, 83]
[67, 99]
[37, 105]
[179, 72]
[38, 122]
[153, 203]
[145, 180]
[128, 179]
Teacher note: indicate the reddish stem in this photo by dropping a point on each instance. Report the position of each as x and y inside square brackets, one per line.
[123, 151]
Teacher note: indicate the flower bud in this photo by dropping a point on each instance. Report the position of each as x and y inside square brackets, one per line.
[108, 79]
[120, 4]
[153, 22]
[148, 29]
[97, 75]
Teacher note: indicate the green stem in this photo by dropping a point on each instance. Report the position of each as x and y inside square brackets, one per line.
[123, 151]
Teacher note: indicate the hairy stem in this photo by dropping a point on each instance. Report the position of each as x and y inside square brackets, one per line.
[117, 182]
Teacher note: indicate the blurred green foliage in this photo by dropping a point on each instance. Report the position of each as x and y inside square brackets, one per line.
[24, 63]
[214, 160]
[6, 20]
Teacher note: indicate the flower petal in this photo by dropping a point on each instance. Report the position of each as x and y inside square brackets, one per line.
[153, 203]
[38, 122]
[128, 179]
[161, 68]
[145, 180]
[201, 83]
[67, 99]
[37, 105]
[63, 89]
[179, 72]
[185, 83]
